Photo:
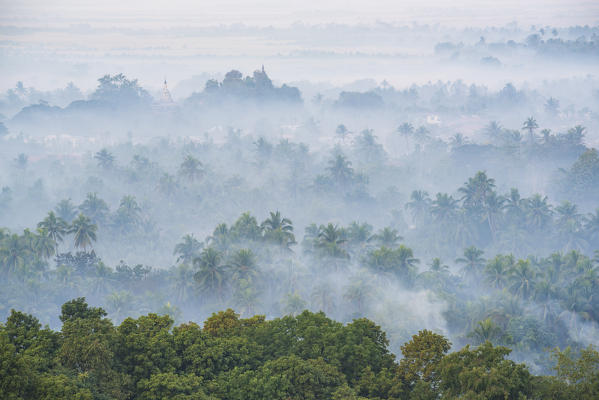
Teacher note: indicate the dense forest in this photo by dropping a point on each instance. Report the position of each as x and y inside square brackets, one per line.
[307, 356]
[313, 211]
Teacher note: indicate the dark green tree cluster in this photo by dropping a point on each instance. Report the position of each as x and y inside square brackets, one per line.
[305, 357]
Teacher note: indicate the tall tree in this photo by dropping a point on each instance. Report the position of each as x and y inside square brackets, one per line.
[84, 232]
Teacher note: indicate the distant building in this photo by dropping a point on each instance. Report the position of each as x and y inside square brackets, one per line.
[166, 101]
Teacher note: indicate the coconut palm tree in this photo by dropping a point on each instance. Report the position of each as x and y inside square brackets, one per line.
[187, 249]
[220, 238]
[294, 304]
[538, 211]
[54, 226]
[591, 226]
[530, 125]
[486, 330]
[419, 205]
[167, 184]
[45, 244]
[358, 235]
[497, 271]
[246, 228]
[84, 232]
[212, 274]
[472, 260]
[477, 190]
[105, 159]
[278, 230]
[340, 170]
[575, 135]
[493, 130]
[522, 278]
[65, 209]
[94, 208]
[13, 253]
[330, 241]
[128, 215]
[243, 265]
[444, 208]
[191, 168]
[387, 237]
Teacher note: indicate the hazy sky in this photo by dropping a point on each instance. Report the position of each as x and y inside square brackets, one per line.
[47, 43]
[276, 12]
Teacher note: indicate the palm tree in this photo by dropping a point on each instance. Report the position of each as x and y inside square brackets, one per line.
[45, 244]
[341, 131]
[187, 249]
[477, 190]
[473, 261]
[359, 234]
[437, 266]
[406, 130]
[212, 274]
[243, 265]
[13, 253]
[340, 170]
[127, 215]
[294, 304]
[191, 168]
[522, 279]
[167, 184]
[444, 208]
[387, 237]
[592, 226]
[419, 205]
[552, 106]
[84, 232]
[54, 226]
[575, 135]
[246, 228]
[105, 159]
[497, 270]
[530, 125]
[330, 241]
[494, 130]
[539, 211]
[278, 230]
[65, 209]
[94, 208]
[183, 282]
[486, 330]
[514, 206]
[220, 238]
[494, 208]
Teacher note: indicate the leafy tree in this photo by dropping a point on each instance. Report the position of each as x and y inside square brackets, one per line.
[421, 358]
[579, 371]
[483, 373]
